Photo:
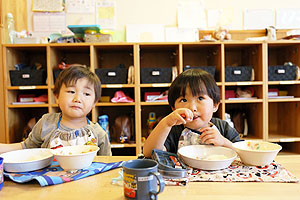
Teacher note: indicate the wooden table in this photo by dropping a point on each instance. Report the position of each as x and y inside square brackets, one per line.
[100, 187]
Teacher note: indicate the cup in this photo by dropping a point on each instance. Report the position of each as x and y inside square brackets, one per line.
[1, 173]
[140, 179]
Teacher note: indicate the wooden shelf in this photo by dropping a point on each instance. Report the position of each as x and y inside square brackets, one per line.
[267, 118]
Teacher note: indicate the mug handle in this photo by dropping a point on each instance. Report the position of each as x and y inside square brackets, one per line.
[161, 181]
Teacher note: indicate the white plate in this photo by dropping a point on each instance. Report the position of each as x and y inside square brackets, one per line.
[27, 159]
[207, 157]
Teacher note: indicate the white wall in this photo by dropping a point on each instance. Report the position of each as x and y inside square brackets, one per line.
[165, 11]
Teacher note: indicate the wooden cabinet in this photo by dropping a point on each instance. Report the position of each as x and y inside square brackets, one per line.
[275, 120]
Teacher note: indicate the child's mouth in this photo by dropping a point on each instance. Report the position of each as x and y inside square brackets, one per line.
[75, 107]
[195, 117]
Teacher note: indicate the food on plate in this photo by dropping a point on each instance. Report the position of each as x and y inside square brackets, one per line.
[256, 146]
[66, 153]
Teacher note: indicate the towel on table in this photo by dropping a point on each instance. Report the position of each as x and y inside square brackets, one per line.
[54, 174]
[238, 172]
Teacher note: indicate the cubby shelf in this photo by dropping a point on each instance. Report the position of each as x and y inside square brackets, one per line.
[269, 119]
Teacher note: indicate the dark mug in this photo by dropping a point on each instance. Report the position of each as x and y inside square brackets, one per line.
[140, 178]
[1, 173]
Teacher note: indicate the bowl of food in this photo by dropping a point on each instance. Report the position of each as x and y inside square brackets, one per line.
[27, 159]
[75, 157]
[258, 153]
[207, 157]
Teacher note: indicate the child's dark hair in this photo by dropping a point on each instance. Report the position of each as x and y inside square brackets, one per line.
[70, 75]
[200, 83]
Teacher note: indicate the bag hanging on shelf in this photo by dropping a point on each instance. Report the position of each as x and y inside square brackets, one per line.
[121, 129]
[239, 120]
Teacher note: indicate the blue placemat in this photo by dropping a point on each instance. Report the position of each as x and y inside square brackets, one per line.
[54, 174]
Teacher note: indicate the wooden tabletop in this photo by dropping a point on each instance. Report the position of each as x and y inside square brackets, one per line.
[100, 187]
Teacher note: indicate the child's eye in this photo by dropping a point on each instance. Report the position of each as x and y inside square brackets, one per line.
[200, 98]
[183, 100]
[71, 91]
[87, 94]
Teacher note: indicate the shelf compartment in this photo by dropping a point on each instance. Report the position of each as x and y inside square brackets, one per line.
[154, 56]
[160, 112]
[290, 147]
[12, 96]
[29, 55]
[113, 112]
[284, 120]
[247, 54]
[292, 90]
[153, 90]
[279, 53]
[69, 54]
[254, 115]
[110, 56]
[18, 118]
[110, 92]
[256, 89]
[196, 55]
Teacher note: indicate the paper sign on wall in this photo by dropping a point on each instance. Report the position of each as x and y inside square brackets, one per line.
[256, 19]
[287, 18]
[49, 22]
[145, 33]
[82, 6]
[191, 14]
[47, 5]
[106, 14]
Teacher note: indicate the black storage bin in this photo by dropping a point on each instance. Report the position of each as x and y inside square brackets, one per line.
[156, 75]
[209, 69]
[282, 72]
[28, 77]
[116, 75]
[239, 73]
[56, 73]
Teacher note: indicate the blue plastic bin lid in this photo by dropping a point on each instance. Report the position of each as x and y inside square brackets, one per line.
[80, 29]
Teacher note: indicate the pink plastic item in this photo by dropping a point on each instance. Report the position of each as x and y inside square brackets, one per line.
[121, 97]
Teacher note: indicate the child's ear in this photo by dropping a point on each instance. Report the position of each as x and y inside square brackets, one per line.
[216, 107]
[56, 98]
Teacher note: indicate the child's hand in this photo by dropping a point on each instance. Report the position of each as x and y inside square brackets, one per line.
[212, 136]
[179, 116]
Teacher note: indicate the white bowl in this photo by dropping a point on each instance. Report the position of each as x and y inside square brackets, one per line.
[27, 159]
[258, 153]
[75, 157]
[207, 157]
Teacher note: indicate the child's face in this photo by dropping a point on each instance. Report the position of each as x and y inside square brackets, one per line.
[202, 107]
[77, 100]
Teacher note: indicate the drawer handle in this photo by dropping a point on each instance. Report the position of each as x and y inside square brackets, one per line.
[280, 71]
[25, 76]
[155, 73]
[111, 74]
[237, 72]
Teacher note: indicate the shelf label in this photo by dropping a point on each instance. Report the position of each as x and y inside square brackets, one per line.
[160, 85]
[286, 82]
[114, 86]
[287, 140]
[26, 87]
[117, 145]
[244, 83]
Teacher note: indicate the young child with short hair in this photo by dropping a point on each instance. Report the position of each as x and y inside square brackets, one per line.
[76, 91]
[193, 96]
